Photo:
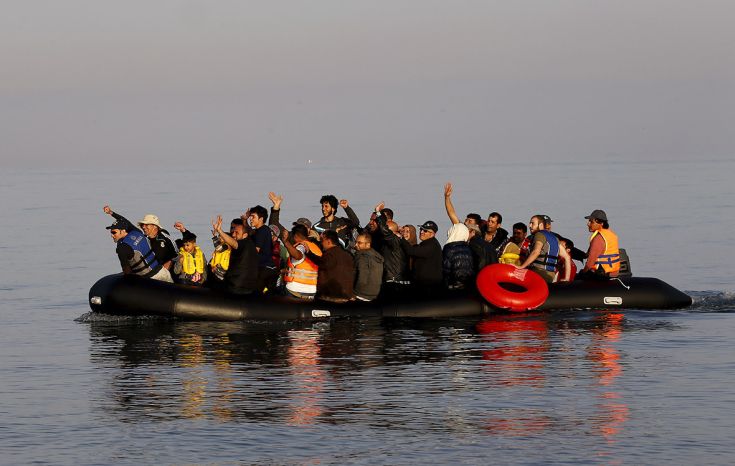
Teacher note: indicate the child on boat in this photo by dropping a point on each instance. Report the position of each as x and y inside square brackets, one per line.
[190, 265]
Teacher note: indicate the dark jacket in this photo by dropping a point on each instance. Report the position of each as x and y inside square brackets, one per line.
[368, 273]
[458, 265]
[427, 262]
[343, 226]
[483, 252]
[498, 240]
[395, 267]
[162, 246]
[336, 274]
[242, 275]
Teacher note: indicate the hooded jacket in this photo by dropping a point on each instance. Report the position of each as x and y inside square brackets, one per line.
[368, 273]
[395, 267]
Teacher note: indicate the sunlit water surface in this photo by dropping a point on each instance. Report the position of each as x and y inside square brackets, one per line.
[602, 387]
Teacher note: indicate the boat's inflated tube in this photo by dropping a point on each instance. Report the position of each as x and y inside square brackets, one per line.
[493, 281]
[131, 295]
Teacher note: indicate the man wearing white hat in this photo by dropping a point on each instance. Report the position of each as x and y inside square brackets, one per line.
[160, 243]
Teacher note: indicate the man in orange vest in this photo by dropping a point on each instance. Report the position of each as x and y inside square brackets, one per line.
[302, 274]
[603, 255]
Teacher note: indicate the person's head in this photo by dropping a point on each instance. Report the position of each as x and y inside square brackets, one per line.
[240, 231]
[363, 241]
[189, 242]
[597, 220]
[330, 239]
[519, 232]
[427, 230]
[372, 225]
[235, 221]
[119, 230]
[409, 234]
[494, 220]
[151, 225]
[275, 232]
[474, 230]
[258, 216]
[566, 243]
[536, 224]
[299, 232]
[473, 219]
[547, 222]
[329, 205]
[388, 213]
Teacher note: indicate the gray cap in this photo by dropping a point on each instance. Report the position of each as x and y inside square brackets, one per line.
[303, 221]
[597, 214]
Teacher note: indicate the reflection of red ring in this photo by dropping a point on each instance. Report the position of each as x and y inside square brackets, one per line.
[535, 289]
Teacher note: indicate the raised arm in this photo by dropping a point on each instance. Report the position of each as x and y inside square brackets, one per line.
[275, 216]
[350, 213]
[293, 251]
[217, 227]
[564, 255]
[448, 204]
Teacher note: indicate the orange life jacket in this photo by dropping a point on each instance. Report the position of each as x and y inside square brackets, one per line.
[306, 271]
[610, 258]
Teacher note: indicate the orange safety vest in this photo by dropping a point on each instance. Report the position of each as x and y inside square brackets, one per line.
[610, 258]
[306, 271]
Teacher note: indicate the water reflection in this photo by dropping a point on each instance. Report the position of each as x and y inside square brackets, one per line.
[505, 376]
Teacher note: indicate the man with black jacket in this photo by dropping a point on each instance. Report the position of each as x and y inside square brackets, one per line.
[343, 226]
[427, 259]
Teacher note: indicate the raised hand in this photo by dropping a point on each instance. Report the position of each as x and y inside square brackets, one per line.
[217, 224]
[284, 235]
[106, 209]
[180, 226]
[448, 190]
[343, 203]
[379, 207]
[276, 200]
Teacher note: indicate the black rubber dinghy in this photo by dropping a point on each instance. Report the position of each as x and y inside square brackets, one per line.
[131, 295]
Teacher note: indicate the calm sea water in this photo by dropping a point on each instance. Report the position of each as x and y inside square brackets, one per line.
[631, 387]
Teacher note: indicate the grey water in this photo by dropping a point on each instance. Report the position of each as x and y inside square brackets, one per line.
[588, 387]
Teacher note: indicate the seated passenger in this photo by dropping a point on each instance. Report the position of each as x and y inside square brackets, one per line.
[603, 255]
[483, 252]
[302, 273]
[545, 252]
[161, 244]
[242, 274]
[336, 274]
[395, 267]
[568, 246]
[262, 237]
[368, 269]
[458, 262]
[220, 261]
[190, 266]
[135, 253]
[427, 259]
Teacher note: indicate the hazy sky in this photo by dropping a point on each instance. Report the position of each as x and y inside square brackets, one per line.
[196, 82]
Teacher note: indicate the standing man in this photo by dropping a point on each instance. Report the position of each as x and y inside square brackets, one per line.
[343, 226]
[603, 256]
[368, 269]
[545, 252]
[241, 276]
[262, 237]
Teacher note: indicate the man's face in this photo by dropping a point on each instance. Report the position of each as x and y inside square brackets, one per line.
[425, 234]
[470, 221]
[255, 221]
[150, 230]
[362, 244]
[190, 247]
[117, 235]
[238, 232]
[592, 225]
[492, 225]
[534, 225]
[327, 209]
[518, 235]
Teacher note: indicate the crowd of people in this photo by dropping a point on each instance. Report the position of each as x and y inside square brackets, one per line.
[336, 259]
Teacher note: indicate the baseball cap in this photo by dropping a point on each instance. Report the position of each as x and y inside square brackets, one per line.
[597, 215]
[303, 221]
[429, 225]
[120, 225]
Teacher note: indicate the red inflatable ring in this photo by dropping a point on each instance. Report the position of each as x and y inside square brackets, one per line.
[535, 291]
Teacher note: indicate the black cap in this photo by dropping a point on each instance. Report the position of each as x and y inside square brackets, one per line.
[429, 225]
[546, 219]
[120, 225]
[597, 214]
[188, 236]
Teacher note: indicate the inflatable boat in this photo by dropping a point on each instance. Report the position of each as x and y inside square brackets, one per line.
[131, 295]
